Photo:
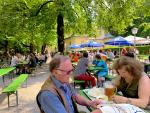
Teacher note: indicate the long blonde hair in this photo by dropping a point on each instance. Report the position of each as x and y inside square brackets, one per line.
[134, 67]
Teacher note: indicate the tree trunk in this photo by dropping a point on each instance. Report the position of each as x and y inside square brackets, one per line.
[43, 48]
[32, 48]
[6, 48]
[60, 33]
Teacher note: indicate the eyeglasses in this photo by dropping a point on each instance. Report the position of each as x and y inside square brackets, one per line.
[67, 72]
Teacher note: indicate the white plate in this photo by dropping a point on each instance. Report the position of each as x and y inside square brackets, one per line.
[96, 93]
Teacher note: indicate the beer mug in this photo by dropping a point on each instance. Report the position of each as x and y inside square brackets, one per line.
[110, 90]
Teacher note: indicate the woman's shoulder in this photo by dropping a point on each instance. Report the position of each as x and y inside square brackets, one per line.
[144, 78]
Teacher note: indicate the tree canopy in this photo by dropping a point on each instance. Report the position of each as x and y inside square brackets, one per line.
[29, 25]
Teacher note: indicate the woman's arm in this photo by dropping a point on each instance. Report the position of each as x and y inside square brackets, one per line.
[143, 92]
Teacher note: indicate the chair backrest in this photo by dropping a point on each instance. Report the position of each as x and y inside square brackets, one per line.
[38, 103]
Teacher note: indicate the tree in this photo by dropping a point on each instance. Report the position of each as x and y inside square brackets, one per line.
[38, 23]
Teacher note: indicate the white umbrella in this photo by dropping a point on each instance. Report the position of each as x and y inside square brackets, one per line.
[138, 40]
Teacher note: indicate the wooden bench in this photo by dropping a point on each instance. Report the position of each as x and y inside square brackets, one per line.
[6, 71]
[14, 85]
[79, 82]
[109, 77]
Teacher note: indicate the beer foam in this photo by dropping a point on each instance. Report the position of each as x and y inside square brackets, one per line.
[109, 86]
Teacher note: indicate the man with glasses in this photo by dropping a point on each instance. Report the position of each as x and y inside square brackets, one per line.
[57, 95]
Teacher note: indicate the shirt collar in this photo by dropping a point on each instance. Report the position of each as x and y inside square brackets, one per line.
[58, 83]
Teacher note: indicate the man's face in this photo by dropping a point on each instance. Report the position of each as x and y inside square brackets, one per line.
[64, 71]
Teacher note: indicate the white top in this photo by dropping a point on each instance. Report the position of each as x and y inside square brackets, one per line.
[14, 60]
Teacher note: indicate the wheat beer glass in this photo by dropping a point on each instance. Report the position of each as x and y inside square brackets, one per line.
[110, 90]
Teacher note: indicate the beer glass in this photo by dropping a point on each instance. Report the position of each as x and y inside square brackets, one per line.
[110, 90]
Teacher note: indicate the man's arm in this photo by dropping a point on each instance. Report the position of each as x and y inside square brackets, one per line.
[82, 101]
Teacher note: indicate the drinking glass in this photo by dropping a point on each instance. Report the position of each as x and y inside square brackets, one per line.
[110, 90]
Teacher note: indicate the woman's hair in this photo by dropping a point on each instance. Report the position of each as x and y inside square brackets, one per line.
[97, 56]
[134, 67]
[56, 61]
[131, 49]
[109, 50]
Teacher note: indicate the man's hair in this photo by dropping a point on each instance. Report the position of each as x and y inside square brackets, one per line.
[133, 66]
[56, 61]
[129, 54]
[85, 54]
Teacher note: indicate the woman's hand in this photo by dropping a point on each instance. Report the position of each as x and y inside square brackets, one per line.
[119, 99]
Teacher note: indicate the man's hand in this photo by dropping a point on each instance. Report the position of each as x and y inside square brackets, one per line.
[94, 103]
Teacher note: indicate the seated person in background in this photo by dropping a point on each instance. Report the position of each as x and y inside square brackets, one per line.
[131, 52]
[110, 54]
[116, 54]
[123, 51]
[80, 71]
[41, 59]
[103, 72]
[75, 57]
[103, 55]
[32, 63]
[14, 59]
[56, 94]
[133, 83]
[128, 54]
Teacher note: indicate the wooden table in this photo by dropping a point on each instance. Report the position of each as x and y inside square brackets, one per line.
[93, 68]
[82, 93]
[23, 65]
[5, 71]
[14, 85]
[74, 64]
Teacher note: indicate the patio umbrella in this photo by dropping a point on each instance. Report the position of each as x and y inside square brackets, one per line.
[137, 40]
[74, 46]
[94, 44]
[83, 45]
[119, 41]
[91, 44]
